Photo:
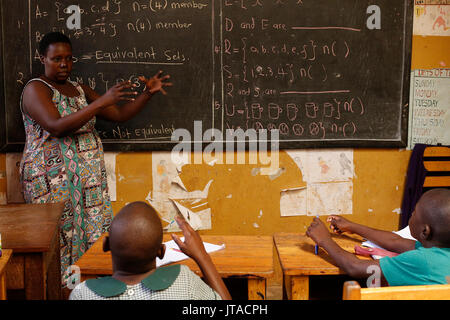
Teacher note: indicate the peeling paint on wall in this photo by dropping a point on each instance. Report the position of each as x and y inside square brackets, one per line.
[170, 196]
[432, 20]
[329, 183]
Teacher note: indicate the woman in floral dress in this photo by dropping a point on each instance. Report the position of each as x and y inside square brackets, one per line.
[63, 157]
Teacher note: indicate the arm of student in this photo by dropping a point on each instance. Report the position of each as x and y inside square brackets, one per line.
[345, 260]
[193, 247]
[136, 103]
[385, 239]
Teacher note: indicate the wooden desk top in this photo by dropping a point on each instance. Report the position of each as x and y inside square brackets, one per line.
[243, 256]
[296, 254]
[6, 255]
[29, 227]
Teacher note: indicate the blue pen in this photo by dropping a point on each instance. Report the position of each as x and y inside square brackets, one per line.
[316, 247]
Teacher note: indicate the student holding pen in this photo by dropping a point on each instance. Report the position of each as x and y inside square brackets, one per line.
[421, 262]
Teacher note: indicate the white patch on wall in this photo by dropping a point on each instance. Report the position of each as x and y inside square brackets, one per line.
[293, 202]
[260, 214]
[431, 20]
[329, 178]
[110, 165]
[170, 196]
[329, 198]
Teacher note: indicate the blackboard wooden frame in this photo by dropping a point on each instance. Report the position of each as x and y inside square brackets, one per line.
[3, 142]
[129, 145]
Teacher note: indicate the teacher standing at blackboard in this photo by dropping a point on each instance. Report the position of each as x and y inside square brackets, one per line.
[63, 159]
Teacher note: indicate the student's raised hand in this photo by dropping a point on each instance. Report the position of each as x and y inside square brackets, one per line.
[318, 231]
[117, 93]
[339, 224]
[156, 83]
[193, 244]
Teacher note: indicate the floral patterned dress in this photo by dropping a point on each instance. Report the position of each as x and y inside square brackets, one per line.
[70, 170]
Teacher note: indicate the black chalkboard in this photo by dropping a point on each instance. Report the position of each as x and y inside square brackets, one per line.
[317, 70]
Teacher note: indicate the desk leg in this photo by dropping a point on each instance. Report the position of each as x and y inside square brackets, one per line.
[296, 287]
[35, 279]
[3, 286]
[257, 289]
[54, 286]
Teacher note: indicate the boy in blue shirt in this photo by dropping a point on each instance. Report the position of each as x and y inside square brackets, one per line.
[422, 262]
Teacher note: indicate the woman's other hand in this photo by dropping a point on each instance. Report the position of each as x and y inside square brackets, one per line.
[156, 83]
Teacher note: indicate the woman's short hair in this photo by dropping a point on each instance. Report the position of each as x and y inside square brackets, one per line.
[50, 38]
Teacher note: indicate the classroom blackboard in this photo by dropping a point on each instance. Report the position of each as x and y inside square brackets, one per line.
[325, 73]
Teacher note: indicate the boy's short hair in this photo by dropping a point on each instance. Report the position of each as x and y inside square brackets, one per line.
[436, 206]
[50, 38]
[135, 237]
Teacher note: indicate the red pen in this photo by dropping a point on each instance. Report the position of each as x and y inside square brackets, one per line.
[177, 250]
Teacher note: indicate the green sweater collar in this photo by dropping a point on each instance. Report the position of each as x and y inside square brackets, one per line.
[161, 279]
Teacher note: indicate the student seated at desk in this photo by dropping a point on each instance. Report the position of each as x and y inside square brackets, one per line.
[135, 240]
[422, 262]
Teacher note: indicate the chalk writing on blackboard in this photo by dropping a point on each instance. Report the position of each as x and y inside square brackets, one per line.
[314, 70]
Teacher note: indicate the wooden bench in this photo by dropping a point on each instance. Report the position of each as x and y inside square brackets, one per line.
[353, 291]
[436, 161]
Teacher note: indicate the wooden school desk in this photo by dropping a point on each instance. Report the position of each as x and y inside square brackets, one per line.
[32, 232]
[248, 257]
[4, 259]
[299, 262]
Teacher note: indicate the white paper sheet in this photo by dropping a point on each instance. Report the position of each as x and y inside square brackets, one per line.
[174, 254]
[404, 233]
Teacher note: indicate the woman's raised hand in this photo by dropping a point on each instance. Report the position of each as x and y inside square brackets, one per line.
[156, 83]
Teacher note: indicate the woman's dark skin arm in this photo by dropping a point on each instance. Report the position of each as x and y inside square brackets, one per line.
[37, 103]
[127, 111]
[193, 247]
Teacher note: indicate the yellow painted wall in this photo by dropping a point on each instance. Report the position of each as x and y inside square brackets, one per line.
[430, 52]
[378, 189]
